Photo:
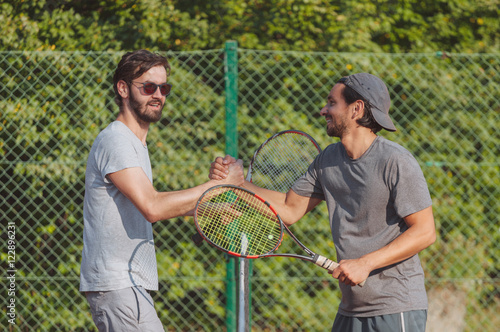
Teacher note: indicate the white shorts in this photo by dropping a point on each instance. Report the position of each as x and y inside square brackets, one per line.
[129, 309]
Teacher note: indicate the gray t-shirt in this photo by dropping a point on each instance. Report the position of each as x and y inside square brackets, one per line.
[118, 249]
[367, 199]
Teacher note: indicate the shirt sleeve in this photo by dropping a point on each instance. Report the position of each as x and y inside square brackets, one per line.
[409, 189]
[115, 153]
[308, 185]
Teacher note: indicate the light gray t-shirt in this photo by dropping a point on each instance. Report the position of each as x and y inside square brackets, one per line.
[367, 199]
[118, 249]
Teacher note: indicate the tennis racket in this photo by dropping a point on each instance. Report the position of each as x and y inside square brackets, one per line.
[279, 162]
[282, 159]
[242, 224]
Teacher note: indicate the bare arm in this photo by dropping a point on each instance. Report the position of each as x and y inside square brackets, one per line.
[154, 205]
[290, 206]
[420, 234]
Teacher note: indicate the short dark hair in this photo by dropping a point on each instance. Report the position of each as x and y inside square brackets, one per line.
[133, 65]
[367, 120]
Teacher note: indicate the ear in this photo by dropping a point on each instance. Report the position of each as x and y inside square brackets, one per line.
[123, 89]
[358, 109]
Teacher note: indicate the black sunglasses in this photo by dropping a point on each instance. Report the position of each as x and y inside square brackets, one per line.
[150, 88]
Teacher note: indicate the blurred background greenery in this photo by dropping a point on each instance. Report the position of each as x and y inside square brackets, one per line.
[440, 60]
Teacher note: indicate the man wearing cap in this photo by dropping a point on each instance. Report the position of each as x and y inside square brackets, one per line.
[380, 210]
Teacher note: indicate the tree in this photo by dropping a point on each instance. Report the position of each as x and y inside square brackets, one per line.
[459, 26]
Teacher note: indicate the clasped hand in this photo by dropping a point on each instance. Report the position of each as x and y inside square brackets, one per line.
[227, 169]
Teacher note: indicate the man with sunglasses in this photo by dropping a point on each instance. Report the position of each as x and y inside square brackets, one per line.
[380, 210]
[118, 259]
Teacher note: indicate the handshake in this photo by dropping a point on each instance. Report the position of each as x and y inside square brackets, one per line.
[227, 170]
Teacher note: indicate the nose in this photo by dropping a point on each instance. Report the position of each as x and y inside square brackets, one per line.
[323, 111]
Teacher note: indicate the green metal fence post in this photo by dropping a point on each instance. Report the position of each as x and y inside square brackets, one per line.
[231, 84]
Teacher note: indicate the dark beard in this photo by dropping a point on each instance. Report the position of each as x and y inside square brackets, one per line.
[139, 110]
[336, 130]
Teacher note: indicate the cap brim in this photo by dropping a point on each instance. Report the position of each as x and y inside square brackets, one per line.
[383, 119]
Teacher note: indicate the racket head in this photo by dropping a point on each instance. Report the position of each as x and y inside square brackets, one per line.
[238, 222]
[282, 159]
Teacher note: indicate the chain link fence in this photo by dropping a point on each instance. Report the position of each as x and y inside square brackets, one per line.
[53, 104]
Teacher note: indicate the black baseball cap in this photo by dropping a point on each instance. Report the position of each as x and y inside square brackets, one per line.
[374, 90]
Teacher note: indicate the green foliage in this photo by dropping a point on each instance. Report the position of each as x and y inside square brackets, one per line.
[304, 25]
[53, 104]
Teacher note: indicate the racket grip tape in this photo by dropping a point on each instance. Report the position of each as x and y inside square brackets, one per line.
[325, 263]
[330, 265]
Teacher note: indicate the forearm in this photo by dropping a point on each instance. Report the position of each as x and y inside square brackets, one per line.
[405, 246]
[290, 206]
[154, 205]
[166, 205]
[419, 235]
[415, 239]
[275, 198]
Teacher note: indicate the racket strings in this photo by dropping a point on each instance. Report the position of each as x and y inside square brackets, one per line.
[264, 226]
[282, 161]
[238, 222]
[142, 265]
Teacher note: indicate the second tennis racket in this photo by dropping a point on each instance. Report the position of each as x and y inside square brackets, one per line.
[242, 224]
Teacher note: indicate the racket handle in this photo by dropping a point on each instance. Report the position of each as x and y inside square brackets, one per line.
[330, 266]
[197, 239]
[325, 263]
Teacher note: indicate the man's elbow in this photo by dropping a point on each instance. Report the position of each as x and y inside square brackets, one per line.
[150, 213]
[151, 217]
[431, 237]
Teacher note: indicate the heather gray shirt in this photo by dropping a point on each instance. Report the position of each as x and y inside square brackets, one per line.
[367, 199]
[118, 249]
